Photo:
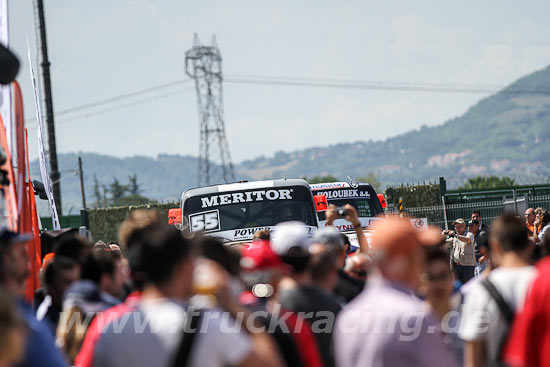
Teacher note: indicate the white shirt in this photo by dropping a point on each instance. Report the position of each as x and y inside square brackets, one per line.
[481, 319]
[543, 232]
[151, 335]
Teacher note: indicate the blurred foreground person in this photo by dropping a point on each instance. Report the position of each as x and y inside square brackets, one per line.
[99, 288]
[58, 275]
[312, 294]
[385, 325]
[161, 330]
[490, 304]
[40, 347]
[130, 236]
[438, 286]
[12, 332]
[261, 272]
[529, 339]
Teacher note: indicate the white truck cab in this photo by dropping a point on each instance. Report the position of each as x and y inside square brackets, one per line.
[234, 212]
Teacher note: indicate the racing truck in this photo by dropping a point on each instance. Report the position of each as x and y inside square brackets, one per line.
[360, 195]
[234, 212]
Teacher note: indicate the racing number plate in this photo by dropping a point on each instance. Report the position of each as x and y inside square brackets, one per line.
[205, 221]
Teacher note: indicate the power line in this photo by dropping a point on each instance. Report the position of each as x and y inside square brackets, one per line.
[388, 86]
[120, 97]
[122, 106]
[307, 82]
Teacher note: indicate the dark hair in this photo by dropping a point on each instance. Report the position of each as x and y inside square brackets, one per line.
[56, 266]
[510, 232]
[156, 251]
[97, 263]
[345, 239]
[477, 212]
[215, 250]
[545, 218]
[321, 265]
[75, 247]
[262, 234]
[297, 258]
[434, 254]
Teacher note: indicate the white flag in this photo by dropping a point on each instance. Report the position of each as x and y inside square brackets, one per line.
[41, 151]
[5, 91]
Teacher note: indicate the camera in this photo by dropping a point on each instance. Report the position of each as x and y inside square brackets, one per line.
[341, 212]
[449, 233]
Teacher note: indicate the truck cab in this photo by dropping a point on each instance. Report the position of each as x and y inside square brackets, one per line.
[234, 212]
[360, 195]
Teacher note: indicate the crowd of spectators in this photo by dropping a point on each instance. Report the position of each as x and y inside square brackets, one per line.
[475, 295]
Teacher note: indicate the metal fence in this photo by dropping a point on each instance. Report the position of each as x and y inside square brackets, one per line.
[490, 210]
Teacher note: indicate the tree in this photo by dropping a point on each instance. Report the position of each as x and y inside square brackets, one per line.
[488, 182]
[372, 179]
[97, 192]
[321, 179]
[133, 186]
[117, 190]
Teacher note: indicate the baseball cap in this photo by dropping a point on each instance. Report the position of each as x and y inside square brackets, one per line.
[396, 236]
[8, 237]
[258, 255]
[459, 221]
[288, 235]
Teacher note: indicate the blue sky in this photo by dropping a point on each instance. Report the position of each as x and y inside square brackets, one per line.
[101, 49]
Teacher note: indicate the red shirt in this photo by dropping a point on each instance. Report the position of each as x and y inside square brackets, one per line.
[529, 339]
[85, 357]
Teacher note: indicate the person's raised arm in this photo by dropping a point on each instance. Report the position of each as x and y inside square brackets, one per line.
[353, 217]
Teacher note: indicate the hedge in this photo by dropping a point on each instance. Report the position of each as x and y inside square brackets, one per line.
[104, 222]
[414, 196]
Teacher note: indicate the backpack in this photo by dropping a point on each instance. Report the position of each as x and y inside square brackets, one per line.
[183, 353]
[507, 312]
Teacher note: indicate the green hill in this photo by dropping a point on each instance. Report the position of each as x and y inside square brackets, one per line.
[506, 134]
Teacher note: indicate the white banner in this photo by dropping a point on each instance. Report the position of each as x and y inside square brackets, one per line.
[41, 151]
[5, 90]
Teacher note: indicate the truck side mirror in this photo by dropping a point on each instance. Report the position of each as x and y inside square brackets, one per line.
[382, 200]
[175, 218]
[39, 189]
[321, 203]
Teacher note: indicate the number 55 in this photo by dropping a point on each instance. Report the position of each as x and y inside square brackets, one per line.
[204, 221]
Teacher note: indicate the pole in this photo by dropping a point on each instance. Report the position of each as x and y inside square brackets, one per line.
[400, 207]
[81, 175]
[52, 148]
[515, 201]
[444, 212]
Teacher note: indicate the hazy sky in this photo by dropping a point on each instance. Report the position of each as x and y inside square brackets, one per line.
[100, 49]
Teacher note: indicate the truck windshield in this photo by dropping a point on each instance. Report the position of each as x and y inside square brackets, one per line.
[250, 209]
[364, 200]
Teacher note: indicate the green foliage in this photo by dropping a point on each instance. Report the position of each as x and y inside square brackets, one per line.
[372, 179]
[414, 196]
[133, 185]
[488, 182]
[321, 179]
[104, 222]
[117, 190]
[121, 195]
